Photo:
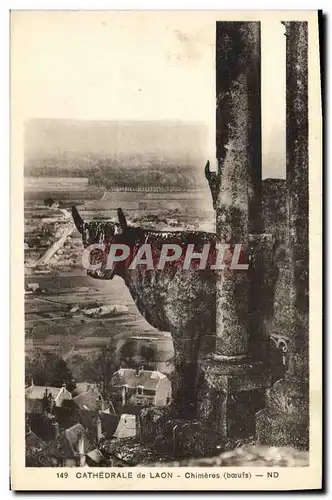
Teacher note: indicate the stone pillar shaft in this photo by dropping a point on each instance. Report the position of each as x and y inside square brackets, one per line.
[285, 420]
[297, 185]
[238, 128]
[238, 141]
[232, 383]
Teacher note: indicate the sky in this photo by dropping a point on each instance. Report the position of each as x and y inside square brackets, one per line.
[87, 65]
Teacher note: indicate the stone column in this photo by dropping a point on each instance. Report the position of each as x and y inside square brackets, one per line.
[238, 141]
[232, 384]
[285, 420]
[238, 128]
[298, 188]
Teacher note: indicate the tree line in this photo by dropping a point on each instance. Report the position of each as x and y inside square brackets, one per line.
[109, 173]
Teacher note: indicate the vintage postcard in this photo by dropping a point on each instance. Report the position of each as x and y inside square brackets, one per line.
[166, 215]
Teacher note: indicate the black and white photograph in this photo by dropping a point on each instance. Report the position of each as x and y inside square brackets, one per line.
[170, 164]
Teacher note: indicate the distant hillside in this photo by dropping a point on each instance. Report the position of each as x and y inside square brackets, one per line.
[116, 154]
[182, 178]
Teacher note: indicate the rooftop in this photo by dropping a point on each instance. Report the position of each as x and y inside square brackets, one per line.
[67, 444]
[82, 387]
[149, 379]
[88, 401]
[38, 392]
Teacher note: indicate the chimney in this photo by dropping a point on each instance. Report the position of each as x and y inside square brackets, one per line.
[99, 403]
[51, 402]
[98, 424]
[124, 394]
[55, 430]
[27, 426]
[45, 401]
[81, 451]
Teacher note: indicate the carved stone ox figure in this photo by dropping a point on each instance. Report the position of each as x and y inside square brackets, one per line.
[180, 301]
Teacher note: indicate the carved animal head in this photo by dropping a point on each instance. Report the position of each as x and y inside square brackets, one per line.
[214, 179]
[98, 238]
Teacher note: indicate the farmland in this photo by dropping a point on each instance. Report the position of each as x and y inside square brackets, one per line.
[60, 188]
[56, 317]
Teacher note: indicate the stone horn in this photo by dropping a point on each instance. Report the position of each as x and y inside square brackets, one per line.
[79, 222]
[207, 170]
[122, 219]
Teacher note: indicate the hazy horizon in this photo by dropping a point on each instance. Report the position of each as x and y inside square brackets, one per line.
[126, 66]
[150, 139]
[161, 139]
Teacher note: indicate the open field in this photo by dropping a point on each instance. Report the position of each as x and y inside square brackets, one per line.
[55, 184]
[186, 204]
[60, 188]
[50, 325]
[55, 315]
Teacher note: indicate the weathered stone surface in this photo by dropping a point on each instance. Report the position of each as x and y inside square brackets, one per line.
[152, 423]
[129, 452]
[263, 276]
[285, 420]
[181, 301]
[249, 456]
[286, 416]
[275, 220]
[159, 429]
[297, 180]
[232, 319]
[185, 438]
[238, 130]
[230, 394]
[274, 207]
[236, 187]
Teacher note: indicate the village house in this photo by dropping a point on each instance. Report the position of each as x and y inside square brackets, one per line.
[91, 407]
[139, 387]
[73, 448]
[39, 399]
[85, 397]
[68, 427]
[88, 399]
[88, 408]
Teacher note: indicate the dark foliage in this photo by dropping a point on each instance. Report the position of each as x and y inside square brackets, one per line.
[47, 369]
[109, 172]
